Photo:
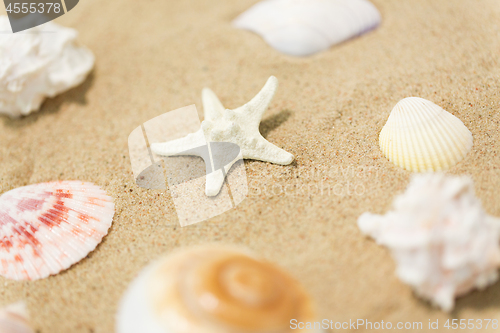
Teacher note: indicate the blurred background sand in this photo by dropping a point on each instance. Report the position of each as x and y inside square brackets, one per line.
[156, 56]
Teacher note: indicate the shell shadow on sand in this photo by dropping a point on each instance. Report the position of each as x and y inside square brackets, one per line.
[479, 300]
[52, 105]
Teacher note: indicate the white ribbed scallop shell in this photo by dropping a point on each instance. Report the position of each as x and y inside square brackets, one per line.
[46, 228]
[442, 240]
[420, 136]
[14, 319]
[304, 27]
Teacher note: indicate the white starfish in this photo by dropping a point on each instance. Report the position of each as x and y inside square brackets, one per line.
[239, 126]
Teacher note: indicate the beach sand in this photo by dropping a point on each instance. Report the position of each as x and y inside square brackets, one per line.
[156, 56]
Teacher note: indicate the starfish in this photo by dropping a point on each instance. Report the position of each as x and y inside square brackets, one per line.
[239, 126]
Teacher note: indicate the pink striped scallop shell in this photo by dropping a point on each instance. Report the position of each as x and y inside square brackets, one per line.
[45, 228]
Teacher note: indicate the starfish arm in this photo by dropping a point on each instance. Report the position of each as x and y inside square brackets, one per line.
[214, 183]
[252, 111]
[264, 150]
[212, 107]
[215, 180]
[178, 146]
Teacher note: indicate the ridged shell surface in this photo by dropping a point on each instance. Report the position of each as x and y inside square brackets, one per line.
[46, 228]
[213, 289]
[304, 27]
[420, 136]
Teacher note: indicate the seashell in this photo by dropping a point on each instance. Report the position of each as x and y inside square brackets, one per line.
[442, 240]
[420, 136]
[305, 27]
[42, 62]
[46, 228]
[213, 289]
[14, 319]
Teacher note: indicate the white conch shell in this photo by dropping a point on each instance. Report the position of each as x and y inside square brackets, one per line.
[420, 136]
[14, 319]
[304, 27]
[41, 62]
[213, 289]
[46, 228]
[442, 240]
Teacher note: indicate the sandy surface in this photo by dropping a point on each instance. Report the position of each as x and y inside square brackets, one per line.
[156, 56]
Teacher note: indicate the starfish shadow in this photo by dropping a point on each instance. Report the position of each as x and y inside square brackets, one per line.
[273, 122]
[53, 105]
[294, 164]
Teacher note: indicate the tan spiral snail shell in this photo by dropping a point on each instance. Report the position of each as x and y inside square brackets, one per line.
[213, 289]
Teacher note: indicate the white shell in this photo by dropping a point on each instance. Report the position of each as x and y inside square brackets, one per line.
[420, 136]
[41, 62]
[304, 27]
[14, 319]
[46, 228]
[213, 289]
[443, 242]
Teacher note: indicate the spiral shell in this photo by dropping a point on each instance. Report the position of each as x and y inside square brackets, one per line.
[45, 228]
[213, 289]
[420, 136]
[443, 241]
[42, 62]
[304, 27]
